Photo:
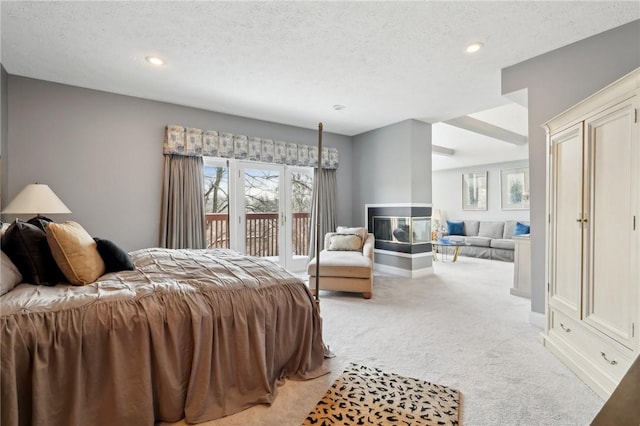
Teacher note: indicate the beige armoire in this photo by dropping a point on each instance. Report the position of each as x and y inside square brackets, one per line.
[593, 243]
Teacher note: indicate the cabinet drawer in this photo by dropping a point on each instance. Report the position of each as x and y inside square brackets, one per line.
[611, 358]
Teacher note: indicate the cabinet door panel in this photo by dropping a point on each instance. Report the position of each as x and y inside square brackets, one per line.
[566, 244]
[612, 258]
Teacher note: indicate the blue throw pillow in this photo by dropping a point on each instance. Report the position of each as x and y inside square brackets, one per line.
[521, 229]
[455, 228]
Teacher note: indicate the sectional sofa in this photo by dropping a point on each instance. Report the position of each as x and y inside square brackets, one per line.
[489, 240]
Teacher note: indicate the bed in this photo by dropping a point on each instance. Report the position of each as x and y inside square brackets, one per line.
[193, 334]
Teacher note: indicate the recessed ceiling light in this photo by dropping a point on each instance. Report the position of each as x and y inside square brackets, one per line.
[474, 47]
[338, 107]
[154, 60]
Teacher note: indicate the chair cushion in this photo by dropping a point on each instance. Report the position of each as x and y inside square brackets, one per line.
[345, 242]
[478, 241]
[341, 264]
[503, 243]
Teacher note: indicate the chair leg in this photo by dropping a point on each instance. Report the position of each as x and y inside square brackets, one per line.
[366, 295]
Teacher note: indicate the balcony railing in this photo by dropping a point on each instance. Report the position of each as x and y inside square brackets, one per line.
[262, 233]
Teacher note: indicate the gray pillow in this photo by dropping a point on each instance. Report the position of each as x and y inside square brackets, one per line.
[491, 229]
[471, 228]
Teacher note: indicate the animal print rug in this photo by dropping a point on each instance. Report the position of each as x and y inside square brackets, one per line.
[367, 396]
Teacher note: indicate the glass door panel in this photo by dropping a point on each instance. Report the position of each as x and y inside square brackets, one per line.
[298, 216]
[216, 203]
[262, 221]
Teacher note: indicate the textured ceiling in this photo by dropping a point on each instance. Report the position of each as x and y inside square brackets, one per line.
[290, 62]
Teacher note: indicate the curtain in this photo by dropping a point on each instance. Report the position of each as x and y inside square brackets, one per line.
[182, 222]
[328, 212]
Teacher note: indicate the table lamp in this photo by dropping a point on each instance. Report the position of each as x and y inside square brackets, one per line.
[436, 217]
[36, 198]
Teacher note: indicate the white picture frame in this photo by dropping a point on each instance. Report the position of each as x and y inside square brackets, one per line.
[474, 191]
[514, 189]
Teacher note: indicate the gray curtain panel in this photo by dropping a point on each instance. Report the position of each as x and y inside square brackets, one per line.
[182, 223]
[328, 201]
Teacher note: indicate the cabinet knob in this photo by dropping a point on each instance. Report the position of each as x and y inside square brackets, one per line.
[566, 329]
[612, 362]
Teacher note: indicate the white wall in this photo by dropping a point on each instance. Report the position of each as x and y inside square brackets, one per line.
[447, 194]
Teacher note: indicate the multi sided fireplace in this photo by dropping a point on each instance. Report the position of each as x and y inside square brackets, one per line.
[400, 228]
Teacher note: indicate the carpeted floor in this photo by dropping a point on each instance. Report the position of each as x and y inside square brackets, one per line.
[460, 328]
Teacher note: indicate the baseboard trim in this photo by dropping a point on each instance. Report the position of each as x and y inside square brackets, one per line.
[537, 320]
[403, 272]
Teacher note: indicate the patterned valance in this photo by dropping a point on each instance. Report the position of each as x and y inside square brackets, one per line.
[188, 141]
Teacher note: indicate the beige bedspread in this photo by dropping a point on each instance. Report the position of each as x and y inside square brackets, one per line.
[195, 334]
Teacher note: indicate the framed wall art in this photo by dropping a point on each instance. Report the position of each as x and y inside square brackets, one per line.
[474, 191]
[514, 189]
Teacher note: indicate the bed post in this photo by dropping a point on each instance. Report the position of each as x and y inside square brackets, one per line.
[318, 202]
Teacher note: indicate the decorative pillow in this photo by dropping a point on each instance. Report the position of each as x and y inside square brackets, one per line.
[10, 276]
[521, 229]
[26, 245]
[40, 221]
[345, 242]
[361, 232]
[115, 259]
[455, 228]
[75, 252]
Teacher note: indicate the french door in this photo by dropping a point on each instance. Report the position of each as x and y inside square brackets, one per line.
[268, 210]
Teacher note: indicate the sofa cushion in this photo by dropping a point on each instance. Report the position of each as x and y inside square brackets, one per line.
[521, 229]
[491, 229]
[503, 243]
[478, 241]
[471, 228]
[455, 228]
[341, 264]
[75, 252]
[509, 227]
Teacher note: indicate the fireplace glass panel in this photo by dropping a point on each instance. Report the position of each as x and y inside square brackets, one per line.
[402, 230]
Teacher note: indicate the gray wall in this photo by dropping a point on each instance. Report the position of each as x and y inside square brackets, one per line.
[447, 193]
[4, 132]
[556, 81]
[393, 166]
[101, 153]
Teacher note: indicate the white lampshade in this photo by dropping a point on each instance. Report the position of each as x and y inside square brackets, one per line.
[36, 198]
[435, 215]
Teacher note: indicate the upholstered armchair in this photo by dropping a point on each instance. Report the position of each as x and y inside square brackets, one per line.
[346, 263]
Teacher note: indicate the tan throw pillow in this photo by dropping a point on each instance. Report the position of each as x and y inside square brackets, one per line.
[361, 232]
[75, 252]
[345, 242]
